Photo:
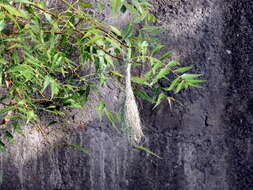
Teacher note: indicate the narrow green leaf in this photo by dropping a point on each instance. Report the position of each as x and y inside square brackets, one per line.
[131, 8]
[9, 136]
[14, 11]
[187, 76]
[114, 43]
[108, 60]
[153, 30]
[195, 85]
[17, 127]
[46, 83]
[100, 6]
[127, 31]
[22, 1]
[99, 108]
[115, 5]
[85, 5]
[2, 25]
[163, 72]
[156, 50]
[148, 75]
[80, 148]
[183, 69]
[179, 87]
[90, 32]
[166, 55]
[156, 66]
[116, 74]
[115, 30]
[195, 81]
[30, 116]
[54, 87]
[147, 151]
[143, 95]
[160, 98]
[92, 40]
[7, 109]
[173, 63]
[71, 103]
[21, 68]
[109, 115]
[173, 84]
[139, 80]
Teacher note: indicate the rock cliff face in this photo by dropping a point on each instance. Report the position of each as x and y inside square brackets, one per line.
[205, 140]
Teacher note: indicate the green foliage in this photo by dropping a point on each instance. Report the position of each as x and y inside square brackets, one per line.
[45, 56]
[147, 151]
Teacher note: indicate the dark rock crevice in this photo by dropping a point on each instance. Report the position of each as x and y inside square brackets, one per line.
[238, 111]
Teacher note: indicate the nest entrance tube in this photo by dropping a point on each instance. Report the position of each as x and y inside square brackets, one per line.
[132, 116]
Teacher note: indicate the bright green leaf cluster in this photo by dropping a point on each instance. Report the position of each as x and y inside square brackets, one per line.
[50, 61]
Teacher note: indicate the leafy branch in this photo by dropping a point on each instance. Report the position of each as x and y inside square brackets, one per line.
[44, 58]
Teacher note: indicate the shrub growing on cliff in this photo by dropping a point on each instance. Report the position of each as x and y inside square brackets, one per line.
[38, 71]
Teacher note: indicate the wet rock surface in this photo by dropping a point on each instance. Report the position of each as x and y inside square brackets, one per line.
[204, 140]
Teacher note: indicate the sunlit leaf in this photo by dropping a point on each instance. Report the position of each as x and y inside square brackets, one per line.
[110, 117]
[179, 87]
[153, 30]
[2, 25]
[173, 63]
[183, 69]
[7, 109]
[173, 84]
[30, 116]
[117, 74]
[14, 11]
[160, 98]
[100, 6]
[166, 55]
[142, 94]
[162, 73]
[115, 30]
[115, 5]
[193, 81]
[156, 66]
[131, 8]
[139, 80]
[156, 50]
[22, 1]
[85, 5]
[190, 76]
[147, 151]
[195, 85]
[128, 31]
[93, 39]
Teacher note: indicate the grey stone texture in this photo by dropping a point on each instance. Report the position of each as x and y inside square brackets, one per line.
[205, 141]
